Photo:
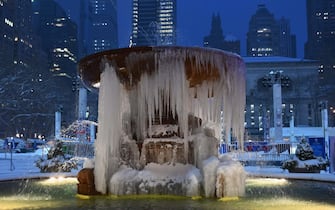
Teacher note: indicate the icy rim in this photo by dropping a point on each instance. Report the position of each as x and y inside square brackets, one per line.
[89, 67]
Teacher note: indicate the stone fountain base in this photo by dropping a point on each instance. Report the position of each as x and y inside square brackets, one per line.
[163, 170]
[86, 184]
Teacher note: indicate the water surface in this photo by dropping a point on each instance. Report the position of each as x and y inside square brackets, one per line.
[261, 194]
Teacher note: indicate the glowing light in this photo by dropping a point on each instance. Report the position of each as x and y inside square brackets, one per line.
[96, 85]
[57, 180]
[268, 182]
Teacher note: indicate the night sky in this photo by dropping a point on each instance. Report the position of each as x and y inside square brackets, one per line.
[194, 18]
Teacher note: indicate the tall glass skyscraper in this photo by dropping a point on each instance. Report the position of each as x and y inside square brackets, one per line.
[154, 22]
[98, 26]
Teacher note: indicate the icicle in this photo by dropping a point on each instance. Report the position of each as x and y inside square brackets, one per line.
[107, 145]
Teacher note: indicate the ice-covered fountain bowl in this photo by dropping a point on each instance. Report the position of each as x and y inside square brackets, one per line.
[160, 109]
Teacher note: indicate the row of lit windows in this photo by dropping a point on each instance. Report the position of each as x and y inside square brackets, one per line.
[264, 30]
[166, 8]
[166, 31]
[166, 11]
[164, 15]
[166, 27]
[100, 24]
[319, 33]
[166, 3]
[71, 58]
[9, 22]
[267, 49]
[16, 39]
[319, 14]
[164, 22]
[63, 50]
[261, 54]
[260, 117]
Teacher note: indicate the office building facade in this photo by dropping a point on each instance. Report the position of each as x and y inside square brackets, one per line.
[320, 43]
[268, 36]
[97, 26]
[58, 36]
[22, 64]
[154, 22]
[299, 87]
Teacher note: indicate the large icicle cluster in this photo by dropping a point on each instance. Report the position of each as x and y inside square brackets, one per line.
[167, 89]
[108, 137]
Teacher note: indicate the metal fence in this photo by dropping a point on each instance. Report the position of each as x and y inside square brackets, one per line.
[259, 154]
[79, 149]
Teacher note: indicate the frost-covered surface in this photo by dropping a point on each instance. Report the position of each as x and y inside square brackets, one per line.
[223, 177]
[216, 178]
[209, 169]
[231, 177]
[178, 179]
[163, 130]
[204, 147]
[167, 89]
[109, 129]
[88, 163]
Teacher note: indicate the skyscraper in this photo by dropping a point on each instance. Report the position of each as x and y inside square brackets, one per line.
[154, 22]
[216, 39]
[16, 38]
[21, 73]
[59, 40]
[320, 43]
[58, 36]
[268, 36]
[98, 26]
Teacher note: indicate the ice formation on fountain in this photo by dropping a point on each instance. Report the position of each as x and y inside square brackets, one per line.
[216, 82]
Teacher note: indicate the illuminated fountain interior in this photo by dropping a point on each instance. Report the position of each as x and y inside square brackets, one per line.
[160, 120]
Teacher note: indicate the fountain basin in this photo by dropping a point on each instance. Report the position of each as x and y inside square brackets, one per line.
[261, 194]
[182, 89]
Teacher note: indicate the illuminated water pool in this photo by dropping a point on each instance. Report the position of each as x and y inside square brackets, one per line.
[261, 194]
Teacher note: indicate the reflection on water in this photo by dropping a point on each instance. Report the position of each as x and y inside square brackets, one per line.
[261, 194]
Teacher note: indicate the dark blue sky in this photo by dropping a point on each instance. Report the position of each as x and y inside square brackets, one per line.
[194, 18]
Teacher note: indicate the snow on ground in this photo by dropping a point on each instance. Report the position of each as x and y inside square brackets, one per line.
[23, 167]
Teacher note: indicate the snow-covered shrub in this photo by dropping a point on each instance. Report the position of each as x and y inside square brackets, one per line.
[304, 150]
[290, 164]
[56, 160]
[304, 159]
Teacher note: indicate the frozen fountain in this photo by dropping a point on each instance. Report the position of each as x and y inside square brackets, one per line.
[160, 121]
